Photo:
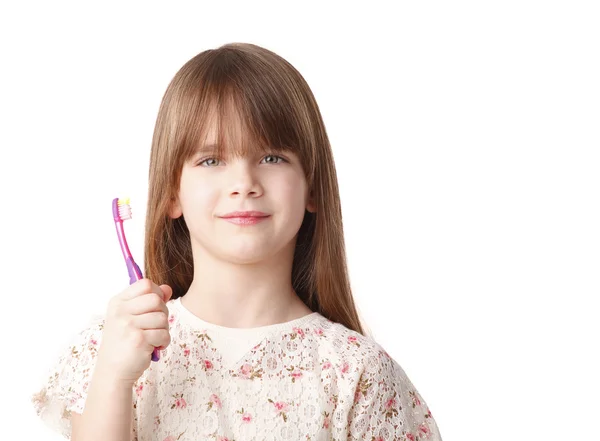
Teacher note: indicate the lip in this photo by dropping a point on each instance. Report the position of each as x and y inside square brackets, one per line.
[247, 220]
[245, 217]
[244, 214]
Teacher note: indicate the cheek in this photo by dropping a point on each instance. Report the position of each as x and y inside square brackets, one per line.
[198, 197]
[293, 190]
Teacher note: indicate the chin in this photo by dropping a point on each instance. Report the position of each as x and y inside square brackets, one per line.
[246, 253]
[244, 258]
[249, 250]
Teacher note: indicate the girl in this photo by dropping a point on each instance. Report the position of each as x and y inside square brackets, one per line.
[258, 332]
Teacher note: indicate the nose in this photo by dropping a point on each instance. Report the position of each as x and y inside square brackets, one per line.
[244, 180]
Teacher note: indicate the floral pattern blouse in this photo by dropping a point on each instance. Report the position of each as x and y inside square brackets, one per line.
[308, 379]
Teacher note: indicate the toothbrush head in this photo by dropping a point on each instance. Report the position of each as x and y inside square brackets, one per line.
[121, 209]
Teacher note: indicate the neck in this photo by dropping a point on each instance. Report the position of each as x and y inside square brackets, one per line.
[243, 295]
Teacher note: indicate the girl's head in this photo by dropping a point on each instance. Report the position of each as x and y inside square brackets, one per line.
[245, 106]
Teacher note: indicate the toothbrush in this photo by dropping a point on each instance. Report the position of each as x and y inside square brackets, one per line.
[122, 212]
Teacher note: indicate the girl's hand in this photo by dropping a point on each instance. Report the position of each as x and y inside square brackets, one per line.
[136, 321]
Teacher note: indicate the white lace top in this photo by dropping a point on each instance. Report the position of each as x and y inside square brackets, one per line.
[308, 379]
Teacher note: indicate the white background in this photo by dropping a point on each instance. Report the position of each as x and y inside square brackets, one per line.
[466, 138]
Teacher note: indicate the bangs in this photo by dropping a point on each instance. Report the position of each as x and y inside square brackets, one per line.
[224, 118]
[222, 127]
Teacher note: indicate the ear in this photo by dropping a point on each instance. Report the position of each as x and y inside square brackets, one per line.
[175, 209]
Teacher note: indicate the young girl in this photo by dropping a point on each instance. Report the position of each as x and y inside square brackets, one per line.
[258, 332]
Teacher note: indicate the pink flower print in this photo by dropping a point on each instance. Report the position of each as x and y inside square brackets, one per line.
[326, 420]
[207, 365]
[424, 429]
[280, 406]
[391, 407]
[246, 370]
[249, 372]
[379, 438]
[246, 417]
[186, 352]
[299, 331]
[319, 331]
[214, 399]
[297, 373]
[389, 403]
[85, 386]
[139, 389]
[171, 319]
[345, 367]
[179, 403]
[94, 341]
[410, 436]
[415, 397]
[222, 438]
[326, 365]
[353, 340]
[333, 400]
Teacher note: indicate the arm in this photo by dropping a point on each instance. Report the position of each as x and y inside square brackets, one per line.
[108, 412]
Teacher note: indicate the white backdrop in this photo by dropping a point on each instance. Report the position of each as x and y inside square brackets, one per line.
[466, 138]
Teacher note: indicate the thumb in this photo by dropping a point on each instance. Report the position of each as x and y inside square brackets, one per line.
[167, 292]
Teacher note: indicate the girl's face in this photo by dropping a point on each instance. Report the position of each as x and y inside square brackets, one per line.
[211, 188]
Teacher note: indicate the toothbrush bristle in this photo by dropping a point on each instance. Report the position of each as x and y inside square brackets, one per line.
[124, 209]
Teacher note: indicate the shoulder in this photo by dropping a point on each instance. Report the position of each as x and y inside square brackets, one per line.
[367, 366]
[380, 394]
[358, 350]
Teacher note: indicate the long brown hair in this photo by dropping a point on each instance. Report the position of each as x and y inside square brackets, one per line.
[276, 110]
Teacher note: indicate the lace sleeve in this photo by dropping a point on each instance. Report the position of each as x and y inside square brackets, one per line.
[388, 407]
[65, 389]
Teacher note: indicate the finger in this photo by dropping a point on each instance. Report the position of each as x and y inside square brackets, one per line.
[151, 320]
[168, 292]
[141, 287]
[159, 338]
[146, 303]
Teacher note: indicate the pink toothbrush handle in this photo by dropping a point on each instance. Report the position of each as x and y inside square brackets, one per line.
[135, 274]
[134, 271]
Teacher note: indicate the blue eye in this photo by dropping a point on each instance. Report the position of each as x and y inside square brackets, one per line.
[207, 159]
[204, 162]
[274, 156]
